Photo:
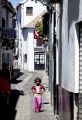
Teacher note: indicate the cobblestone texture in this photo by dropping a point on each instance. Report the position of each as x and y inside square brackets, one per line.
[25, 110]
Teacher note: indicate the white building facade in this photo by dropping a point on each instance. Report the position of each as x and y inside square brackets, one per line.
[27, 12]
[69, 31]
[6, 23]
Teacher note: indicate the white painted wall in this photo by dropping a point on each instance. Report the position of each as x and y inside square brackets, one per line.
[30, 50]
[7, 16]
[26, 35]
[8, 23]
[10, 19]
[25, 48]
[4, 15]
[38, 8]
[19, 36]
[69, 14]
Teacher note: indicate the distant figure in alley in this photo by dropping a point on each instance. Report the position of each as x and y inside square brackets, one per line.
[38, 89]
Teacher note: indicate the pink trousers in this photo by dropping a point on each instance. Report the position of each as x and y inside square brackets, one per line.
[37, 103]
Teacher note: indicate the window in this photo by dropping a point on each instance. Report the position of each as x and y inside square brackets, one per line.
[29, 11]
[25, 58]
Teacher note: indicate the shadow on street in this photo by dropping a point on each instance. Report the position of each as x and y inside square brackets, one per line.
[18, 72]
[8, 112]
[15, 81]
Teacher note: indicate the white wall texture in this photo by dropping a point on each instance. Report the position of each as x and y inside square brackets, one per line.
[10, 19]
[68, 15]
[4, 13]
[26, 35]
[8, 23]
[38, 8]
[29, 49]
[19, 32]
[7, 16]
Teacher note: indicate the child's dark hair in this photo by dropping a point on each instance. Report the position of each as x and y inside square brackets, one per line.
[37, 79]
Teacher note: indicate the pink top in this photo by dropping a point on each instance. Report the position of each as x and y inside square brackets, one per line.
[34, 88]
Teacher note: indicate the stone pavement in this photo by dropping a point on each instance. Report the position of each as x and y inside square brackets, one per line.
[24, 105]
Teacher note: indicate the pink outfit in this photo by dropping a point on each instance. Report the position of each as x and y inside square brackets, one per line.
[37, 97]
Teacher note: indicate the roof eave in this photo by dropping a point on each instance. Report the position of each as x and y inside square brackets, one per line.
[20, 3]
[9, 6]
[17, 6]
[27, 27]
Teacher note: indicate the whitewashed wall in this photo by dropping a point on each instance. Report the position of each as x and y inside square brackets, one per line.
[10, 19]
[69, 14]
[4, 15]
[19, 34]
[7, 16]
[24, 34]
[38, 8]
[8, 23]
[28, 48]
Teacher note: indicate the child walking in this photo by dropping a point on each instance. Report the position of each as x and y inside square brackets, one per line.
[38, 89]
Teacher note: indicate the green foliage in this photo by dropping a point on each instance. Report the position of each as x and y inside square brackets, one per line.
[39, 27]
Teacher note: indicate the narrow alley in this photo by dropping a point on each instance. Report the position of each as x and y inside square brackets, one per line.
[21, 100]
[41, 39]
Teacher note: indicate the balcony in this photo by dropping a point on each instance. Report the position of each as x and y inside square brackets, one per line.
[9, 33]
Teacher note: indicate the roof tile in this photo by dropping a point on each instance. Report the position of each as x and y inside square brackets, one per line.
[37, 19]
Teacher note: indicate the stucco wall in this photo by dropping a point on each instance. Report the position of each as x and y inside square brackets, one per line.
[38, 8]
[7, 16]
[4, 13]
[68, 15]
[28, 49]
[19, 33]
[10, 19]
[25, 46]
[30, 55]
[25, 35]
[8, 23]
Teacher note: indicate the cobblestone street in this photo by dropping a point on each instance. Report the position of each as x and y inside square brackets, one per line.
[24, 106]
